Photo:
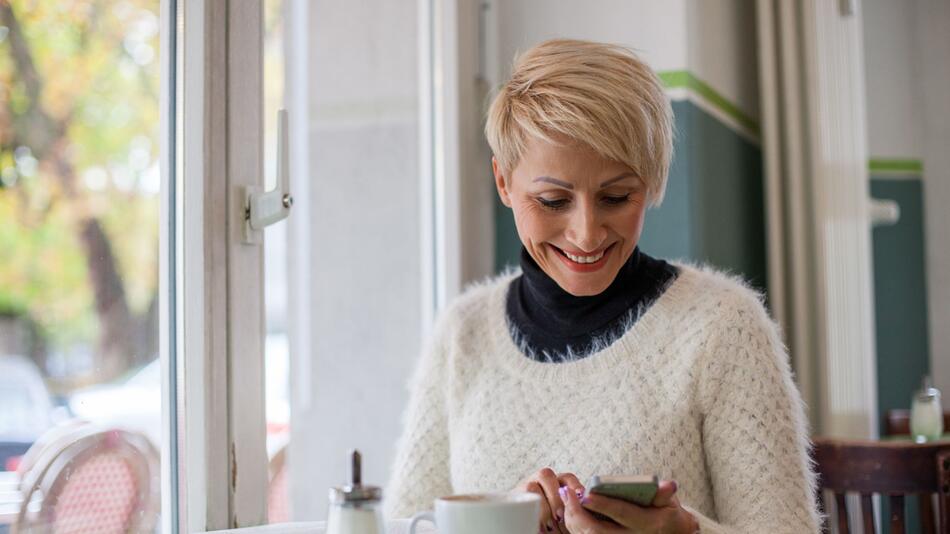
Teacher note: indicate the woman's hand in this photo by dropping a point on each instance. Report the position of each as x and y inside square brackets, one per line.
[546, 483]
[664, 516]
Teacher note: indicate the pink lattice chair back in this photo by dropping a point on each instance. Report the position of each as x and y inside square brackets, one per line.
[104, 482]
[278, 494]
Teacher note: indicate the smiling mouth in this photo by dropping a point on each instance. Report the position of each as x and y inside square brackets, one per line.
[585, 259]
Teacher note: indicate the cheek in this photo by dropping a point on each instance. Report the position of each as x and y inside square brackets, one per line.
[533, 222]
[629, 223]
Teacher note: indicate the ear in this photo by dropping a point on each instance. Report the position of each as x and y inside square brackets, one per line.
[500, 183]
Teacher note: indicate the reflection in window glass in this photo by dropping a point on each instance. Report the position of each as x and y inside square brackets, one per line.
[80, 393]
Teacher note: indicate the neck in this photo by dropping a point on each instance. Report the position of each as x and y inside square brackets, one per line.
[552, 320]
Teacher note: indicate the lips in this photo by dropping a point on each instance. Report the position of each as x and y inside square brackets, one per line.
[584, 262]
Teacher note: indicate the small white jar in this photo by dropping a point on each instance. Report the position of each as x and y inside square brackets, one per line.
[355, 517]
[926, 414]
[355, 509]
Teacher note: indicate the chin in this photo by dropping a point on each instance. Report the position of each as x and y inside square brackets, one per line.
[583, 289]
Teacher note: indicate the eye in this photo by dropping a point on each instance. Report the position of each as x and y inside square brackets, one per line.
[555, 205]
[615, 200]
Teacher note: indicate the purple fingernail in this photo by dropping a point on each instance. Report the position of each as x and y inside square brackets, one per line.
[580, 494]
[562, 491]
[674, 486]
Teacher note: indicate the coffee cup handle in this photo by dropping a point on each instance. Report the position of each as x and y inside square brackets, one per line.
[421, 516]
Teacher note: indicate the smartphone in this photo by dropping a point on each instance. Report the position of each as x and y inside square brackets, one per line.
[636, 489]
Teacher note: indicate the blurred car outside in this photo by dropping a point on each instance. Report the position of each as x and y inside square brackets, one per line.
[26, 408]
[135, 402]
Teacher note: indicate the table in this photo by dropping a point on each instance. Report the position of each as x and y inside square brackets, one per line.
[907, 437]
[398, 526]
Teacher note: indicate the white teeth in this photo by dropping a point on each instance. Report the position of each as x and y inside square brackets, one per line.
[584, 259]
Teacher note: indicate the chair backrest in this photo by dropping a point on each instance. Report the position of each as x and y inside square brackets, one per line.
[278, 494]
[891, 469]
[50, 443]
[897, 422]
[107, 480]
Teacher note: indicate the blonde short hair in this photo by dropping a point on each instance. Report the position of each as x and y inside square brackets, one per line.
[598, 94]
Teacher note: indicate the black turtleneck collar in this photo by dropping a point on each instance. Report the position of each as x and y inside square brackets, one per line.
[549, 320]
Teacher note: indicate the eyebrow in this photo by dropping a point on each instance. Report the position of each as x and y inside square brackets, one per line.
[554, 181]
[567, 185]
[618, 178]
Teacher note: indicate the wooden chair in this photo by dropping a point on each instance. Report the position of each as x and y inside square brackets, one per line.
[891, 469]
[897, 422]
[107, 480]
[50, 443]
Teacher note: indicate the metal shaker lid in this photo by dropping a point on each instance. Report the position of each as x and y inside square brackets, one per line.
[927, 392]
[355, 492]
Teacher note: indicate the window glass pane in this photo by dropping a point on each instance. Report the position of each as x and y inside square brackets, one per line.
[80, 392]
[344, 285]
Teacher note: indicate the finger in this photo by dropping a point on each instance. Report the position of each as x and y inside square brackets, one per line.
[625, 513]
[544, 519]
[548, 480]
[576, 517]
[665, 493]
[570, 480]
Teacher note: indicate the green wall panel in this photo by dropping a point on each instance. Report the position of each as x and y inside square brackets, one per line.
[727, 199]
[900, 295]
[668, 230]
[507, 244]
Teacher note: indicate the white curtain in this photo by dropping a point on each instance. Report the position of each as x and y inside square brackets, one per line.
[820, 279]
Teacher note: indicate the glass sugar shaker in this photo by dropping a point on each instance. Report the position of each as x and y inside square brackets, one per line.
[926, 414]
[355, 508]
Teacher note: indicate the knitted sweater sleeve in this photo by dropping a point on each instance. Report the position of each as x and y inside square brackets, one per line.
[754, 430]
[421, 469]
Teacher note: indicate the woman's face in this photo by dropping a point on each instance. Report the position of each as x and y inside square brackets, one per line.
[578, 215]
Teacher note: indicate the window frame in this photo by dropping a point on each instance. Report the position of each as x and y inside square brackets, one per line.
[212, 331]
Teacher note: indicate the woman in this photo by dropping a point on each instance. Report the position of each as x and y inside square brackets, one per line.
[597, 359]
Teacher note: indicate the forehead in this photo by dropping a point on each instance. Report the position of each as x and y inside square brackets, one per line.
[565, 159]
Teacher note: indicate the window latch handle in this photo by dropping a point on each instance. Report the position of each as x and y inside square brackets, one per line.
[264, 208]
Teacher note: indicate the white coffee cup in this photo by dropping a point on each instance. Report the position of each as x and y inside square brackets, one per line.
[497, 513]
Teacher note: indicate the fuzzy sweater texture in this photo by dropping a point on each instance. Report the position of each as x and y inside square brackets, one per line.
[697, 390]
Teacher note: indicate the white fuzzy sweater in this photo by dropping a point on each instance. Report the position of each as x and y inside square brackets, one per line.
[698, 390]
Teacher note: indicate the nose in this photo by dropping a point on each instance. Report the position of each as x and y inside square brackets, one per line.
[585, 229]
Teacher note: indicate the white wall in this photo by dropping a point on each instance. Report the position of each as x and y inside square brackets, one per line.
[361, 139]
[657, 30]
[722, 50]
[894, 93]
